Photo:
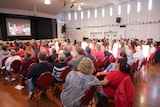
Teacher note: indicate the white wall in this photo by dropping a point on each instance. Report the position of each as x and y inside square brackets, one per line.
[140, 25]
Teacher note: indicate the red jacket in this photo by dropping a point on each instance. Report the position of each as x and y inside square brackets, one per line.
[124, 96]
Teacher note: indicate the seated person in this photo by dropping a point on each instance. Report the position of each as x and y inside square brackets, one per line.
[75, 61]
[88, 53]
[37, 70]
[25, 64]
[8, 63]
[52, 57]
[111, 66]
[77, 82]
[4, 53]
[59, 67]
[66, 52]
[113, 79]
[138, 55]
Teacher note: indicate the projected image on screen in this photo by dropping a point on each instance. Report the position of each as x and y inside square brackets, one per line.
[18, 27]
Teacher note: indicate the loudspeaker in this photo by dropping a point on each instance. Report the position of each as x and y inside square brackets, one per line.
[63, 28]
[118, 20]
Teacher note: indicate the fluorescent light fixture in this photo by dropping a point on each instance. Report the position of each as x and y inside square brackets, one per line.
[150, 5]
[47, 2]
[111, 11]
[128, 9]
[75, 15]
[138, 7]
[119, 10]
[69, 16]
[88, 14]
[81, 14]
[103, 12]
[95, 13]
[79, 7]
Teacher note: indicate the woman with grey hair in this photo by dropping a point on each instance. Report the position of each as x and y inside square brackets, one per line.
[77, 82]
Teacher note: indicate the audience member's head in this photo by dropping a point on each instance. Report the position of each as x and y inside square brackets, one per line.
[42, 55]
[61, 57]
[27, 55]
[138, 48]
[88, 50]
[13, 52]
[98, 47]
[79, 51]
[4, 47]
[122, 65]
[86, 66]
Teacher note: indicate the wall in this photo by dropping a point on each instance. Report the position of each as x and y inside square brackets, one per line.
[142, 25]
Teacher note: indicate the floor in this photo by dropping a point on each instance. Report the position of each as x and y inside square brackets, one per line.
[146, 86]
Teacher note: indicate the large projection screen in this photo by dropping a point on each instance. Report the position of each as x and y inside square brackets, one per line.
[18, 27]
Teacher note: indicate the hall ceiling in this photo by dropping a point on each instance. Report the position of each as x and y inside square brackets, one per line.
[56, 6]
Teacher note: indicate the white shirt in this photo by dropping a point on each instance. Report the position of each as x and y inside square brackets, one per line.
[10, 60]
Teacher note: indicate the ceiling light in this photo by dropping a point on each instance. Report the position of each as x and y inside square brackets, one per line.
[79, 7]
[48, 2]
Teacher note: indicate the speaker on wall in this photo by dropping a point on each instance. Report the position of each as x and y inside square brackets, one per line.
[64, 28]
[118, 20]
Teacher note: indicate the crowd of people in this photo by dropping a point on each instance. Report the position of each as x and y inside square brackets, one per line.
[44, 53]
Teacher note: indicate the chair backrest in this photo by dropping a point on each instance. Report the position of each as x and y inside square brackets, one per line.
[65, 72]
[105, 61]
[4, 60]
[45, 80]
[125, 93]
[132, 66]
[15, 65]
[68, 59]
[88, 95]
[55, 61]
[30, 66]
[136, 64]
[98, 63]
[111, 59]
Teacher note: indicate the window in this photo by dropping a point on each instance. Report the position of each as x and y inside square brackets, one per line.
[75, 15]
[128, 8]
[103, 12]
[111, 11]
[119, 10]
[138, 7]
[81, 14]
[150, 5]
[88, 14]
[95, 13]
[69, 16]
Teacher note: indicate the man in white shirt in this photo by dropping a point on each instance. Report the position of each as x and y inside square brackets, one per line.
[8, 63]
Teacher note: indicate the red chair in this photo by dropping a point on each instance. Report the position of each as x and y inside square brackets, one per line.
[24, 73]
[65, 72]
[44, 82]
[88, 96]
[68, 59]
[105, 62]
[125, 94]
[98, 65]
[111, 59]
[144, 61]
[55, 62]
[16, 65]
